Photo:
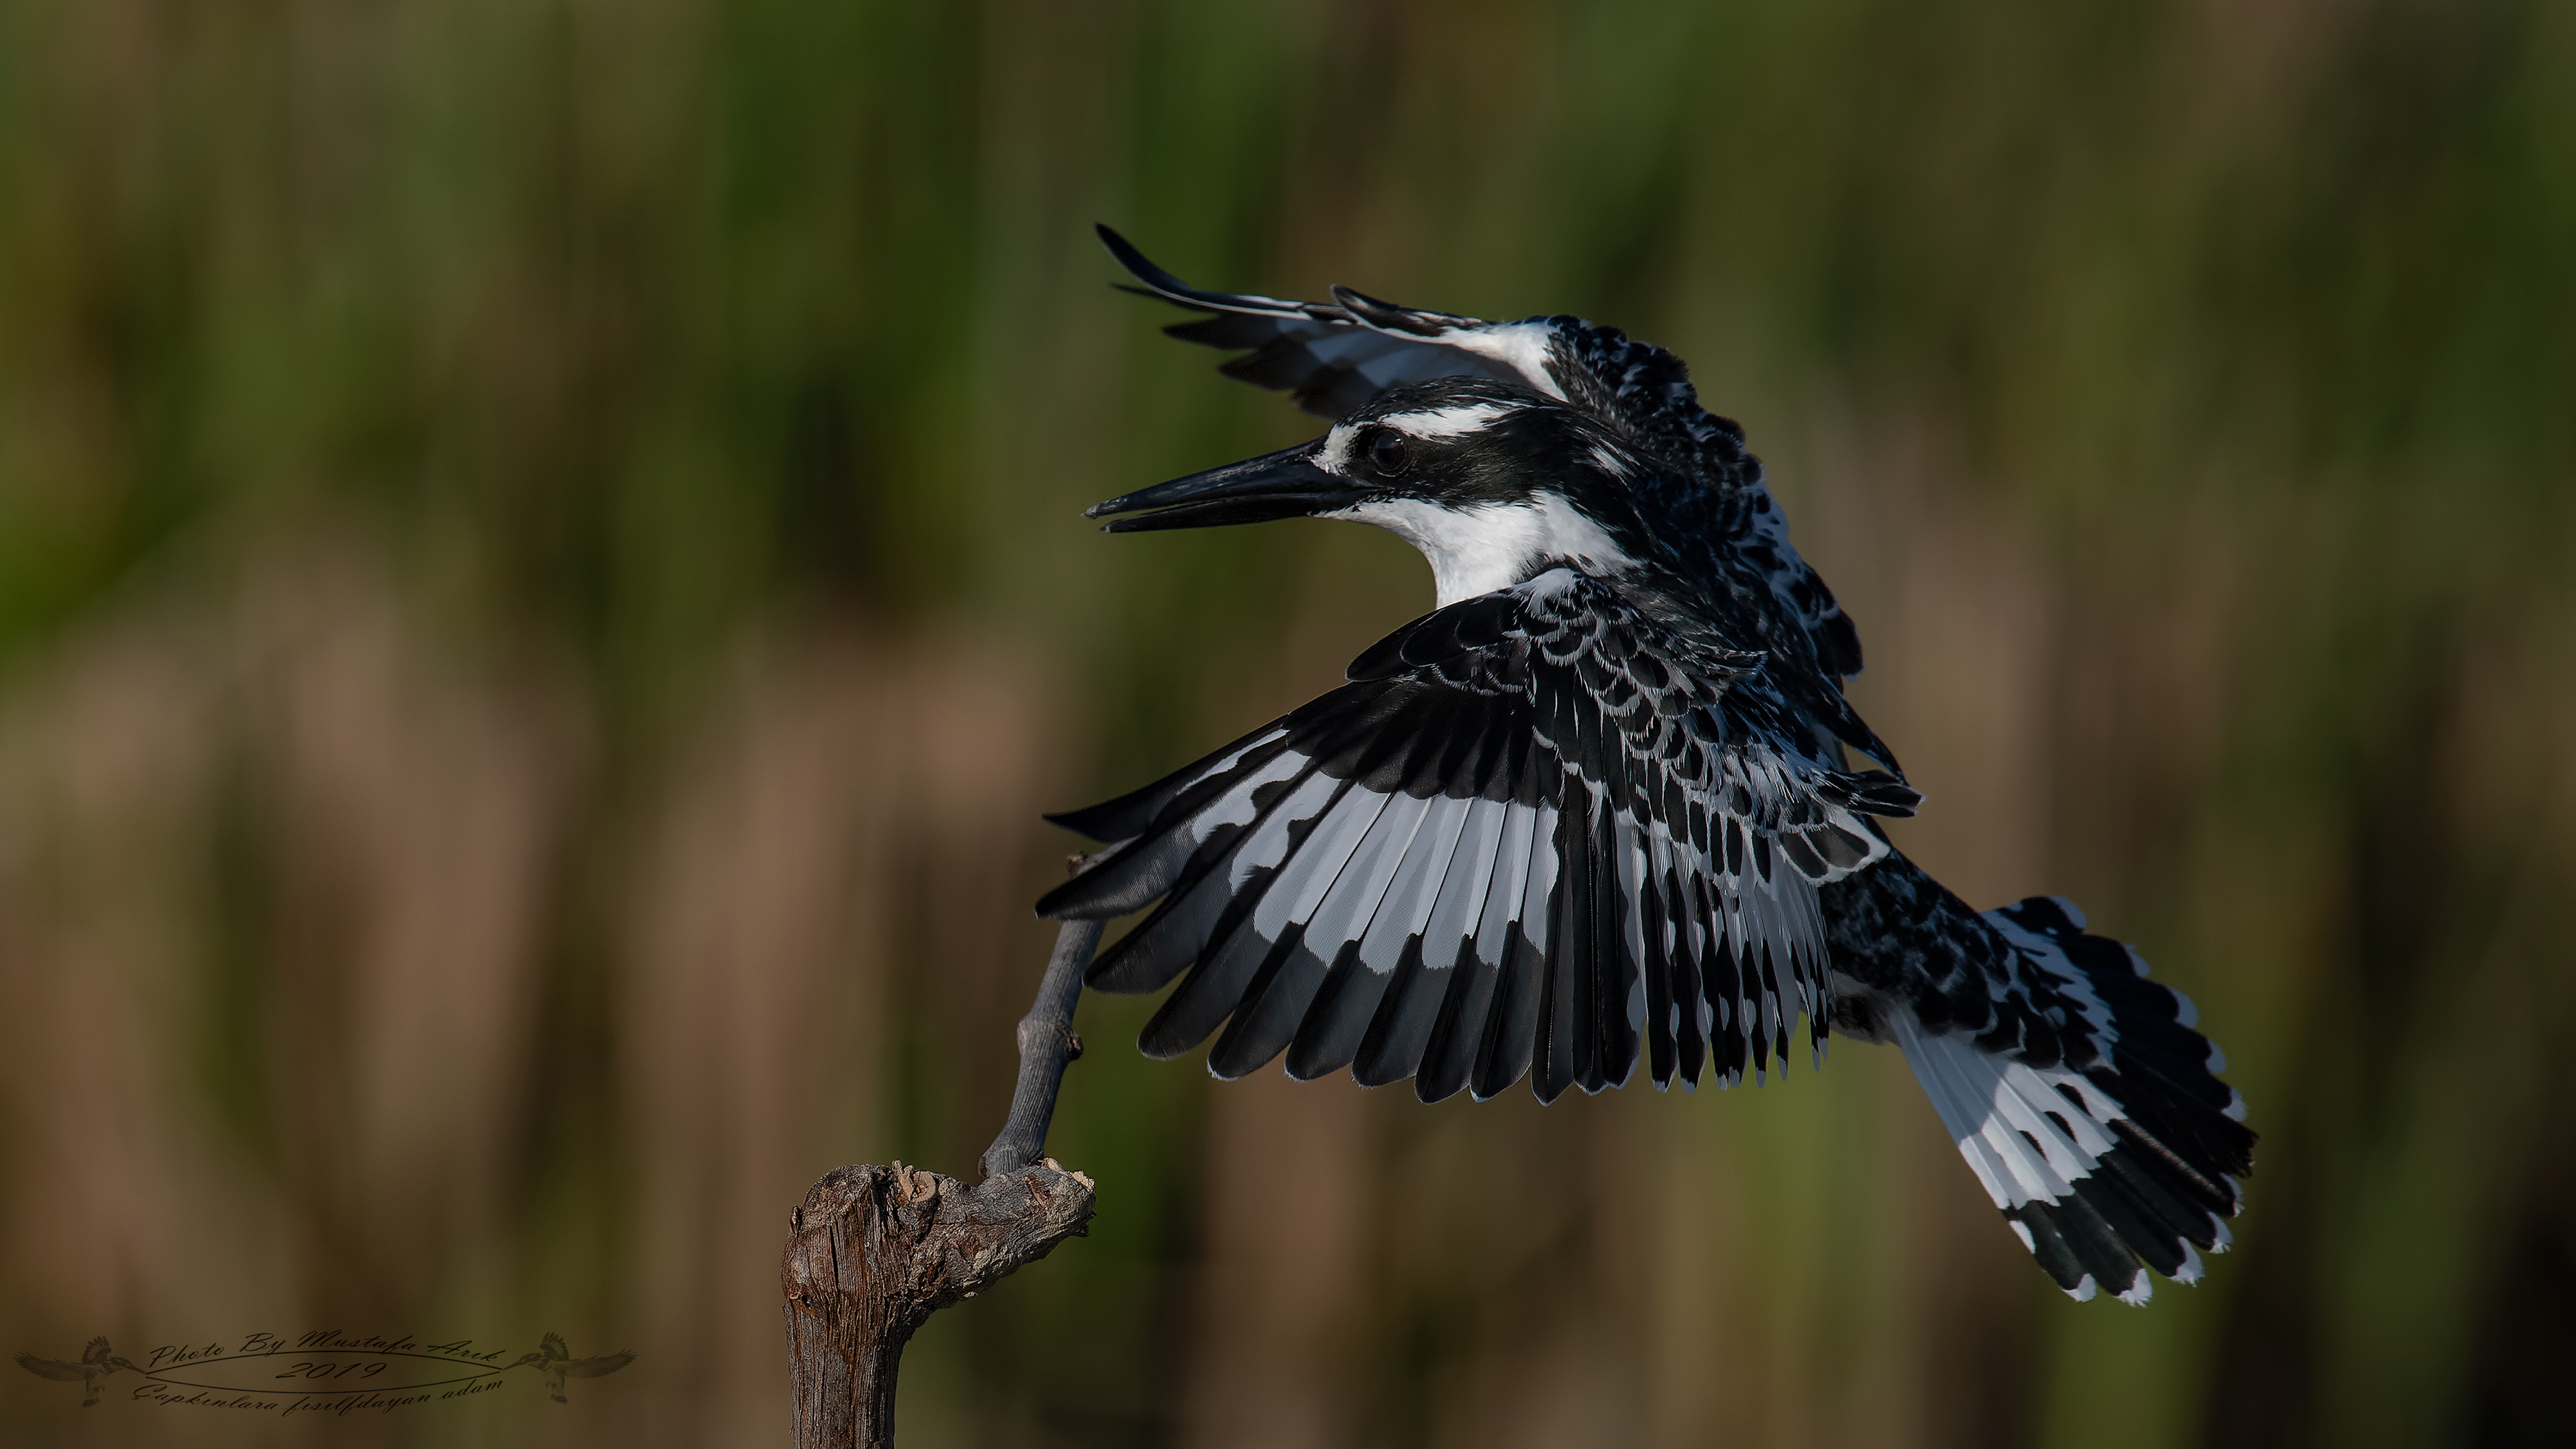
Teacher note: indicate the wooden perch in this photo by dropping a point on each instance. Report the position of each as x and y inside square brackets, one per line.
[876, 1250]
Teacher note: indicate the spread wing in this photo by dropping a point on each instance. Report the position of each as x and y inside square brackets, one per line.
[1334, 356]
[591, 1368]
[52, 1368]
[1534, 830]
[553, 1346]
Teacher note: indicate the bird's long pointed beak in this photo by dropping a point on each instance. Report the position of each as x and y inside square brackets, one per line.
[1285, 484]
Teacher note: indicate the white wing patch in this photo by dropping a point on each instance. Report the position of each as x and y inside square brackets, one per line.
[1520, 346]
[2016, 1125]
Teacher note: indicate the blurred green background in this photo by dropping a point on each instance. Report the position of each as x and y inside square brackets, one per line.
[541, 597]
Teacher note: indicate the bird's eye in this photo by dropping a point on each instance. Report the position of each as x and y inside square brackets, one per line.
[1386, 452]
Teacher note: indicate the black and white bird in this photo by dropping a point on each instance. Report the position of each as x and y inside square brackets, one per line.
[1599, 806]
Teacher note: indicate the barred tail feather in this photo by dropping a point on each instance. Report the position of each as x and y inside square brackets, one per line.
[2105, 1161]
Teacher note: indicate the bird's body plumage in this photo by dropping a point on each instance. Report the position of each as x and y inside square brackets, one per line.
[1597, 808]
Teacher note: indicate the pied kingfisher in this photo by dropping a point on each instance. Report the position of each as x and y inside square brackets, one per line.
[1599, 799]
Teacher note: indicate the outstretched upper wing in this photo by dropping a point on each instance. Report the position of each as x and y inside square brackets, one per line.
[1334, 356]
[1534, 828]
[52, 1368]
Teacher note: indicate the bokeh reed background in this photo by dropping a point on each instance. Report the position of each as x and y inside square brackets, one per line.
[541, 598]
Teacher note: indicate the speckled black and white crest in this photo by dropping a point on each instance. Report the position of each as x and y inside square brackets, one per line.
[1597, 810]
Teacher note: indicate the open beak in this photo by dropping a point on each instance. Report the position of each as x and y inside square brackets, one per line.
[1285, 484]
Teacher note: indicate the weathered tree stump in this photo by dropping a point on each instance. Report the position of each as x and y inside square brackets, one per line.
[876, 1250]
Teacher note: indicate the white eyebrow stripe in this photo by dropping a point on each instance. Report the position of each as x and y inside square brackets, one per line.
[1445, 422]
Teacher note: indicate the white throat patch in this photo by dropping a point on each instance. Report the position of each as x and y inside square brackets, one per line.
[1492, 545]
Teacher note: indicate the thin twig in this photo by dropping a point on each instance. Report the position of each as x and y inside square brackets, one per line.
[1047, 1047]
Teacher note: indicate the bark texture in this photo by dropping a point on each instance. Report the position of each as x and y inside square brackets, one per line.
[875, 1251]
